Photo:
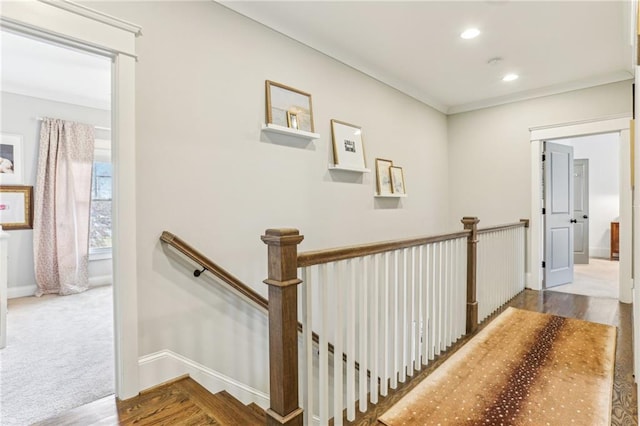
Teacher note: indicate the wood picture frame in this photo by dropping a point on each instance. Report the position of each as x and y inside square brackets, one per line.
[284, 101]
[383, 176]
[11, 159]
[397, 180]
[348, 148]
[16, 207]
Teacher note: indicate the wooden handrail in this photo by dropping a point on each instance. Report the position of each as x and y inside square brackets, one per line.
[342, 253]
[521, 224]
[209, 265]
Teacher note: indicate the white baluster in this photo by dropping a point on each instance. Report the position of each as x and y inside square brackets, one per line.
[355, 274]
[323, 347]
[307, 339]
[339, 295]
[363, 335]
[386, 320]
[375, 330]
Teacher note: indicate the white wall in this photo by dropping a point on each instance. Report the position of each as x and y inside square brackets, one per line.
[207, 173]
[490, 158]
[18, 116]
[603, 153]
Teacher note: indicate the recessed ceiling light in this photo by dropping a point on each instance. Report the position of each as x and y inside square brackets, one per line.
[510, 77]
[470, 33]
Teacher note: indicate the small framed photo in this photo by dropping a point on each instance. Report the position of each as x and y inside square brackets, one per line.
[292, 120]
[11, 159]
[383, 176]
[397, 180]
[16, 207]
[348, 150]
[284, 102]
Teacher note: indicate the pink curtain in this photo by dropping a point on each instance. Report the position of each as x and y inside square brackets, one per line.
[62, 207]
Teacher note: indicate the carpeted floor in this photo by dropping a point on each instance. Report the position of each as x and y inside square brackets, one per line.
[599, 278]
[59, 355]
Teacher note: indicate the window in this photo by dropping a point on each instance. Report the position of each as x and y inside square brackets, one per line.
[100, 224]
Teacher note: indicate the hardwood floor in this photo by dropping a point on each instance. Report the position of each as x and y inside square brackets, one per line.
[595, 309]
[181, 402]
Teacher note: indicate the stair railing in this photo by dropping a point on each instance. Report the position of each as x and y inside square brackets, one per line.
[392, 307]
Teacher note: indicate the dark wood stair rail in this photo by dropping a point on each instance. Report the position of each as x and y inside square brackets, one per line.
[206, 263]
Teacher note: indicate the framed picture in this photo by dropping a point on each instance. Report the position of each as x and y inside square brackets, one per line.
[16, 207]
[348, 150]
[285, 102]
[397, 180]
[383, 176]
[11, 159]
[292, 120]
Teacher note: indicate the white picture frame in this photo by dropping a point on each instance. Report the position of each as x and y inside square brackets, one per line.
[11, 159]
[348, 149]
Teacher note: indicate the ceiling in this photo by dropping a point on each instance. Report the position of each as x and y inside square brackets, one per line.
[415, 46]
[43, 70]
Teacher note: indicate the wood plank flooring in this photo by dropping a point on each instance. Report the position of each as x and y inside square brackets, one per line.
[596, 309]
[181, 402]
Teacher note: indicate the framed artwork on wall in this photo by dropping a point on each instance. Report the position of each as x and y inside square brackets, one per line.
[11, 159]
[397, 180]
[383, 176]
[289, 107]
[348, 149]
[16, 207]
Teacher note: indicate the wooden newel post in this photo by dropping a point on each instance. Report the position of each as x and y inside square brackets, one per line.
[283, 326]
[471, 223]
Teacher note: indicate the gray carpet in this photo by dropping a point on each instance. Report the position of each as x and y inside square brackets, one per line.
[59, 355]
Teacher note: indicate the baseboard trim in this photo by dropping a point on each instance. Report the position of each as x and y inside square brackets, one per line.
[165, 365]
[602, 252]
[22, 291]
[30, 290]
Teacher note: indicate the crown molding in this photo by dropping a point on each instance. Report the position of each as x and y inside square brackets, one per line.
[613, 77]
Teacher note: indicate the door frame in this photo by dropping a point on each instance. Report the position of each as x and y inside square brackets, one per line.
[585, 229]
[618, 124]
[86, 29]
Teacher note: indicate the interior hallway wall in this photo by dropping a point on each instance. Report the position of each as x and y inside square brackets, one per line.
[207, 172]
[489, 149]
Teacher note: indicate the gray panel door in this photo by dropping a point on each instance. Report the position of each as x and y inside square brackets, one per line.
[558, 220]
[581, 211]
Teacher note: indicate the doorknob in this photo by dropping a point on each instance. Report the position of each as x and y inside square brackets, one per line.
[585, 216]
[573, 221]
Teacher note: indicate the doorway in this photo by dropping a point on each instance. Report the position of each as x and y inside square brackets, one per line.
[619, 126]
[43, 79]
[82, 28]
[596, 206]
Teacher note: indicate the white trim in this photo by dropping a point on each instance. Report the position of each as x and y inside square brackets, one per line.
[564, 130]
[76, 28]
[30, 290]
[96, 15]
[165, 365]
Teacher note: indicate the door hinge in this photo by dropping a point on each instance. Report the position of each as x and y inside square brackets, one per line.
[544, 264]
[544, 211]
[544, 157]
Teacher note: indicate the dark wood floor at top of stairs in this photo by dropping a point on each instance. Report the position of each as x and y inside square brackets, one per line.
[597, 309]
[180, 402]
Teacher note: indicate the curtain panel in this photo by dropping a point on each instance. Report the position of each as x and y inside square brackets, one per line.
[62, 207]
